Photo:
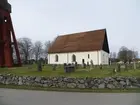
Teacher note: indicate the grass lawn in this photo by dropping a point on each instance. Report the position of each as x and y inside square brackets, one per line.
[47, 71]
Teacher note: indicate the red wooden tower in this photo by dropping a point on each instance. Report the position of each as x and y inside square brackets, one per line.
[7, 37]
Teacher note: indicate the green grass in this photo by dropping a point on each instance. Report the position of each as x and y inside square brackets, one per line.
[71, 90]
[31, 70]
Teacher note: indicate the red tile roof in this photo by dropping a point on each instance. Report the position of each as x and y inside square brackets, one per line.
[79, 42]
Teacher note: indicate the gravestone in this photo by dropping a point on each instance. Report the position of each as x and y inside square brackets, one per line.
[126, 67]
[101, 67]
[131, 66]
[76, 65]
[39, 66]
[84, 65]
[65, 67]
[88, 64]
[122, 66]
[72, 64]
[109, 62]
[138, 65]
[43, 63]
[91, 64]
[114, 70]
[54, 67]
[69, 68]
[134, 63]
[29, 67]
[118, 68]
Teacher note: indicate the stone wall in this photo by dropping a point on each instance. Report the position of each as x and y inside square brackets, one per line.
[66, 82]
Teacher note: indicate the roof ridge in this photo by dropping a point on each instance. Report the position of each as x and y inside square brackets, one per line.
[82, 32]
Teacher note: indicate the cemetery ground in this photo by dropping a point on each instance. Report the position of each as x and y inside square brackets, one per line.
[47, 71]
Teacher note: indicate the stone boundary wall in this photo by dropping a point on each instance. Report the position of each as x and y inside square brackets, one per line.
[67, 82]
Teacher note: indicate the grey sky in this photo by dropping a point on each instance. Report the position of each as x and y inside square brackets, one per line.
[45, 19]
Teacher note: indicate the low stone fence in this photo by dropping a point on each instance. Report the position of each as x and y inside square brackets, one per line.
[67, 82]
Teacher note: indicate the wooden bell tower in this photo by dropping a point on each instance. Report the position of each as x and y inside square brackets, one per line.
[7, 37]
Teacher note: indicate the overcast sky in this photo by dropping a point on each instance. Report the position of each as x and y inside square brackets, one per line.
[46, 19]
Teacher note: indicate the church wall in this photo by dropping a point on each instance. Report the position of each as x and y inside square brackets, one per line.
[98, 57]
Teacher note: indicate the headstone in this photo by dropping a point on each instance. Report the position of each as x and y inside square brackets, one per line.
[91, 64]
[134, 65]
[122, 66]
[46, 61]
[126, 67]
[65, 67]
[109, 62]
[114, 70]
[87, 63]
[39, 66]
[54, 67]
[29, 67]
[131, 66]
[43, 63]
[72, 68]
[76, 65]
[84, 65]
[138, 65]
[72, 64]
[101, 66]
[69, 68]
[118, 68]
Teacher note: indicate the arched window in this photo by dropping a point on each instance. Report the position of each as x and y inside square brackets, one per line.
[73, 58]
[56, 58]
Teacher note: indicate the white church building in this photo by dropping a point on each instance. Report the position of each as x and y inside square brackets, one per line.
[79, 47]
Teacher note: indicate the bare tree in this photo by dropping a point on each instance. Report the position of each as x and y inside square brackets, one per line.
[25, 48]
[114, 55]
[134, 56]
[111, 55]
[127, 55]
[47, 45]
[38, 50]
[123, 54]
